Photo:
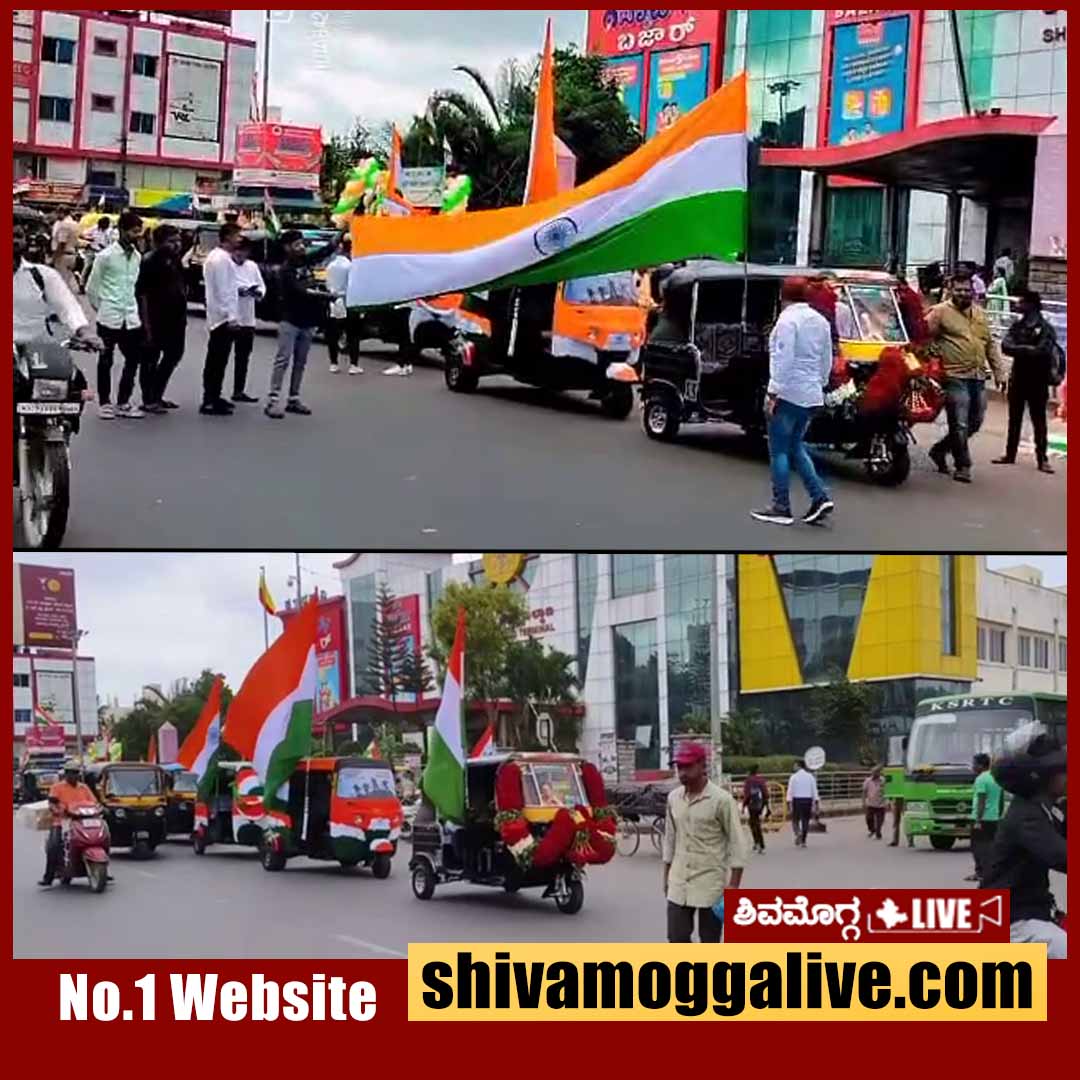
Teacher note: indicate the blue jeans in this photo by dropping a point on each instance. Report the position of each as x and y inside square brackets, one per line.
[294, 342]
[787, 451]
[965, 408]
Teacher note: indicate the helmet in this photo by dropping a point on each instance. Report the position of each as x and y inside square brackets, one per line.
[1030, 757]
[71, 765]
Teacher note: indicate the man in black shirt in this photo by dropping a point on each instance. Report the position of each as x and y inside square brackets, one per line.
[303, 308]
[163, 310]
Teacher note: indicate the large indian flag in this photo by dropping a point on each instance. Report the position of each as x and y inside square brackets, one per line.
[682, 195]
[443, 781]
[201, 745]
[269, 720]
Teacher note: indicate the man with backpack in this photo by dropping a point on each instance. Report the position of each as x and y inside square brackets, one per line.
[1037, 364]
[755, 801]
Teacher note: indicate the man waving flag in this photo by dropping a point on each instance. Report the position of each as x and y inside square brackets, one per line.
[444, 775]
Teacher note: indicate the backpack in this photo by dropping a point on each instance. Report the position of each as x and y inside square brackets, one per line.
[757, 799]
[1057, 365]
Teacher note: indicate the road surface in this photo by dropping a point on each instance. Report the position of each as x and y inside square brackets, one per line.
[224, 903]
[391, 463]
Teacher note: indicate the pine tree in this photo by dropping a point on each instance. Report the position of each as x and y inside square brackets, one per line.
[388, 649]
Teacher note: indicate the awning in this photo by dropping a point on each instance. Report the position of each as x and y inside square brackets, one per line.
[986, 158]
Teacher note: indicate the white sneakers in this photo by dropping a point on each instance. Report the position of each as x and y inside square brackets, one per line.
[129, 412]
[355, 369]
[106, 412]
[399, 369]
[334, 369]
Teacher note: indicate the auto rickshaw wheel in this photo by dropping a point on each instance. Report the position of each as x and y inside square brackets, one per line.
[889, 461]
[198, 843]
[380, 865]
[660, 418]
[459, 379]
[618, 402]
[941, 843]
[423, 880]
[272, 860]
[570, 902]
[98, 875]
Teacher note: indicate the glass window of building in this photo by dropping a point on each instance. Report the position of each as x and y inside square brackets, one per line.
[586, 574]
[632, 574]
[823, 596]
[1063, 655]
[689, 585]
[363, 610]
[1023, 650]
[22, 716]
[637, 690]
[1042, 653]
[950, 645]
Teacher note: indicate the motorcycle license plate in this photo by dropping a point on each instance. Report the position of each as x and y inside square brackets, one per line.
[143, 835]
[48, 408]
[618, 342]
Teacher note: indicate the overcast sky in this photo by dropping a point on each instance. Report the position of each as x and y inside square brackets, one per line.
[157, 617]
[327, 67]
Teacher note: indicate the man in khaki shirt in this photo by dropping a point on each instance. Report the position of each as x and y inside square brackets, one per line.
[705, 848]
[968, 354]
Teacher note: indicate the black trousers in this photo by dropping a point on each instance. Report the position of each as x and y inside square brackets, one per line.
[243, 343]
[755, 828]
[1031, 395]
[53, 848]
[982, 843]
[132, 345]
[349, 328]
[801, 809]
[217, 359]
[680, 924]
[875, 820]
[164, 355]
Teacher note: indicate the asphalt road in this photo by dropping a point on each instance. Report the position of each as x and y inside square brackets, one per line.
[225, 904]
[389, 463]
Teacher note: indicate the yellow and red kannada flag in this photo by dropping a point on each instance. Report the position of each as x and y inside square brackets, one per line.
[681, 195]
[265, 598]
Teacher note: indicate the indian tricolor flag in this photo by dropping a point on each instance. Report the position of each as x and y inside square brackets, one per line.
[198, 749]
[485, 745]
[443, 781]
[269, 721]
[680, 196]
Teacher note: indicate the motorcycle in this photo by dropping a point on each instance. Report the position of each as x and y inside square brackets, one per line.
[85, 847]
[50, 393]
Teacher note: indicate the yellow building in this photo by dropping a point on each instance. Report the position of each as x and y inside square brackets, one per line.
[906, 623]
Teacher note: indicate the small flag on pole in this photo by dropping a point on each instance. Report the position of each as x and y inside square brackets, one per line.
[151, 750]
[373, 751]
[265, 598]
[273, 225]
[485, 745]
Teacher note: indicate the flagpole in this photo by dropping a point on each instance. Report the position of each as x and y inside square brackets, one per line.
[266, 621]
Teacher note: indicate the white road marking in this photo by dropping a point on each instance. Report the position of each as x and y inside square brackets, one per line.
[369, 946]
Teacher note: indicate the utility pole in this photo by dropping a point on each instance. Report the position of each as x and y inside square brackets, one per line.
[299, 587]
[266, 65]
[75, 639]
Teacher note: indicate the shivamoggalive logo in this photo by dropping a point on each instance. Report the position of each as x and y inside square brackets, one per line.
[832, 915]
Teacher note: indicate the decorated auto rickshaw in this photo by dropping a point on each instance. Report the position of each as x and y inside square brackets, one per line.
[707, 360]
[583, 334]
[340, 809]
[180, 789]
[532, 820]
[232, 812]
[135, 797]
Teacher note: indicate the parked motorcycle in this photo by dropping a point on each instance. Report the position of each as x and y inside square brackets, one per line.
[50, 393]
[85, 850]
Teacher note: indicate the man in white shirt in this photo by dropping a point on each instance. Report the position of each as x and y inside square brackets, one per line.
[338, 320]
[222, 317]
[802, 800]
[38, 293]
[250, 288]
[65, 235]
[111, 292]
[97, 238]
[800, 360]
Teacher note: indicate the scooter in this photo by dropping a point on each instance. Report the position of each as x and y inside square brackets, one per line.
[50, 393]
[85, 847]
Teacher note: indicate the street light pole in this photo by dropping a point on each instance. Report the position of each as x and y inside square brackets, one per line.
[76, 637]
[299, 587]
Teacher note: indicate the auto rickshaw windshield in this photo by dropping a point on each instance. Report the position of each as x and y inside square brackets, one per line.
[185, 781]
[365, 782]
[127, 782]
[605, 290]
[552, 784]
[869, 313]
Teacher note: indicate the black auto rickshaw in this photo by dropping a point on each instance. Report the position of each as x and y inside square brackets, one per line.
[707, 360]
[531, 820]
[233, 811]
[134, 795]
[181, 787]
[342, 809]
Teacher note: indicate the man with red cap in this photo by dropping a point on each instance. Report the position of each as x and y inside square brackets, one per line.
[705, 848]
[800, 361]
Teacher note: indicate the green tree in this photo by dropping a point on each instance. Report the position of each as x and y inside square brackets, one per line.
[842, 712]
[388, 649]
[537, 676]
[414, 676]
[742, 733]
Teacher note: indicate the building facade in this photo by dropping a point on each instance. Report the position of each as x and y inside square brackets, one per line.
[1022, 632]
[43, 678]
[115, 105]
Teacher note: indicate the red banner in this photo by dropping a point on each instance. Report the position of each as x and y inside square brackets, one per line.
[45, 736]
[22, 74]
[277, 155]
[887, 916]
[48, 605]
[620, 32]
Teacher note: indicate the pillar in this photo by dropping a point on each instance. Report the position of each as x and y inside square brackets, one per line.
[952, 231]
[819, 215]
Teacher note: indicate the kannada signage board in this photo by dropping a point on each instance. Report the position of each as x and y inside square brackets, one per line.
[618, 33]
[332, 685]
[277, 155]
[627, 73]
[48, 606]
[193, 98]
[423, 185]
[58, 192]
[678, 82]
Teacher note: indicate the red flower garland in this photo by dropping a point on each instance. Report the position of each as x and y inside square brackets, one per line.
[555, 843]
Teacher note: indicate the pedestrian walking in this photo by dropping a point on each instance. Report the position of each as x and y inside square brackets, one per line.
[222, 317]
[968, 354]
[302, 310]
[111, 292]
[250, 288]
[987, 807]
[96, 239]
[1004, 263]
[339, 323]
[65, 240]
[802, 800]
[800, 360]
[873, 801]
[163, 310]
[1032, 343]
[755, 801]
[705, 849]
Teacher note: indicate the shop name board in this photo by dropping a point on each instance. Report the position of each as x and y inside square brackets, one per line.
[618, 32]
[541, 621]
[48, 605]
[952, 704]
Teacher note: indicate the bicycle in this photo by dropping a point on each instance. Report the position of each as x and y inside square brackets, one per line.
[627, 836]
[656, 834]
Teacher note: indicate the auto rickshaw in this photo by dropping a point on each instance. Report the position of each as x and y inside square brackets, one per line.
[707, 360]
[583, 334]
[181, 787]
[532, 820]
[343, 809]
[134, 795]
[233, 811]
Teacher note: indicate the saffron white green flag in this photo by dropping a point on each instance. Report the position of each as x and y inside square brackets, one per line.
[443, 781]
[204, 738]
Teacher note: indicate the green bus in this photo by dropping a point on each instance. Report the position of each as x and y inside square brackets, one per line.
[947, 733]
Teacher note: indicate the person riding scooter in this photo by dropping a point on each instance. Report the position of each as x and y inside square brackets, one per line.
[68, 791]
[1030, 840]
